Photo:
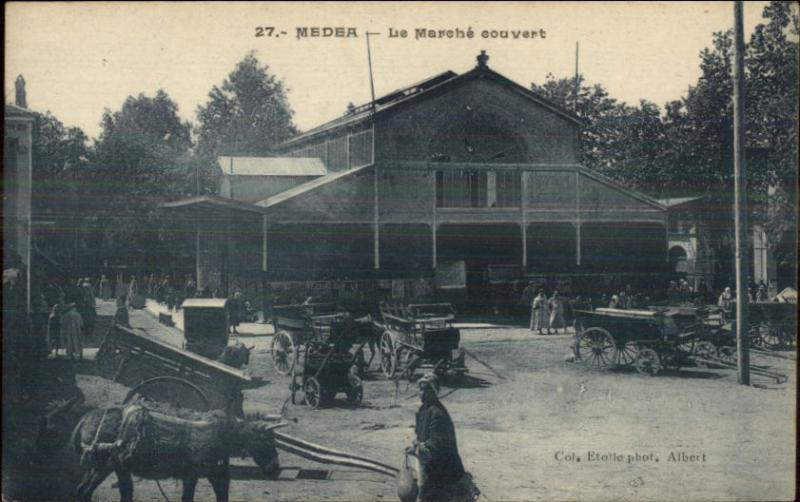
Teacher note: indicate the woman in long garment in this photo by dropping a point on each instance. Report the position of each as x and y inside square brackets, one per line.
[120, 288]
[539, 313]
[557, 312]
[105, 288]
[71, 327]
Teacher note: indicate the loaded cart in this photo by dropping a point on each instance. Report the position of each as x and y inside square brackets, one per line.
[420, 336]
[162, 372]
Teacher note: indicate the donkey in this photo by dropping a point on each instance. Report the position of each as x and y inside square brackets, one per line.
[236, 355]
[134, 440]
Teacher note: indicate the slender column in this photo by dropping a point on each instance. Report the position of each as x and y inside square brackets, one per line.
[264, 243]
[577, 217]
[377, 242]
[197, 251]
[433, 220]
[524, 206]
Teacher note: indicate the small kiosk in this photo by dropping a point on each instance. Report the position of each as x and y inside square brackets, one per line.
[205, 325]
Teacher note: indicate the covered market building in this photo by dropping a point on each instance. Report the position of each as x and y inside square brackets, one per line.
[456, 181]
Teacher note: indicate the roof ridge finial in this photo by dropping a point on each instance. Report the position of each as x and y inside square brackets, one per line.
[482, 58]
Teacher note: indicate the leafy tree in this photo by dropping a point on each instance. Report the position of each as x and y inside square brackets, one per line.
[620, 141]
[247, 115]
[141, 158]
[60, 156]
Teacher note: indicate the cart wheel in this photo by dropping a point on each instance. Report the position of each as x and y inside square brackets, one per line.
[706, 352]
[388, 355]
[647, 362]
[789, 333]
[626, 354]
[596, 348]
[283, 353]
[313, 392]
[771, 335]
[171, 390]
[727, 353]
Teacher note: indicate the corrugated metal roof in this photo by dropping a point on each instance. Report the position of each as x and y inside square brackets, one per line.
[308, 186]
[677, 201]
[271, 166]
[211, 202]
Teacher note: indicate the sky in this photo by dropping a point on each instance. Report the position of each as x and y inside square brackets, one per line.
[81, 58]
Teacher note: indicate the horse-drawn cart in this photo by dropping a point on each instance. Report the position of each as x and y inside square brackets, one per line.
[297, 326]
[166, 373]
[647, 340]
[420, 336]
[773, 324]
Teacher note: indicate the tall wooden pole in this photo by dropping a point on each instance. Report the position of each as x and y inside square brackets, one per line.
[740, 204]
[577, 84]
[376, 223]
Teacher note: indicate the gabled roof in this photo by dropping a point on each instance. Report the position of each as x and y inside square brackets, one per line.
[435, 84]
[309, 186]
[271, 166]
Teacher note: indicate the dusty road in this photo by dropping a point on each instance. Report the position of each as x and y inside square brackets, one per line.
[550, 431]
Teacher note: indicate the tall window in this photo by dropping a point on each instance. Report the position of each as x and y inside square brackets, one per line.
[478, 189]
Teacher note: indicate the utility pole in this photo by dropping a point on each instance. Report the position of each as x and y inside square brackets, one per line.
[376, 209]
[740, 203]
[575, 102]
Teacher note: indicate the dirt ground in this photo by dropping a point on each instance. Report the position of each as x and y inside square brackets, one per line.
[550, 430]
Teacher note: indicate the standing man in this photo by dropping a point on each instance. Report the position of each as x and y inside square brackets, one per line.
[557, 312]
[435, 446]
[71, 327]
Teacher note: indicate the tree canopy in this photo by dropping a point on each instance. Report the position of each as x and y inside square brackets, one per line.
[247, 115]
[687, 149]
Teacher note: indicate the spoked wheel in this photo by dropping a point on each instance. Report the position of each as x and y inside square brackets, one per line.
[705, 352]
[283, 353]
[626, 354]
[176, 391]
[727, 353]
[771, 335]
[647, 362]
[596, 348]
[313, 392]
[388, 355]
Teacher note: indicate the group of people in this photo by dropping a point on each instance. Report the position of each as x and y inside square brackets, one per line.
[547, 313]
[727, 299]
[70, 310]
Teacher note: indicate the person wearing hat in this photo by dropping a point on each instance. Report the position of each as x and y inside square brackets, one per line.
[436, 446]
